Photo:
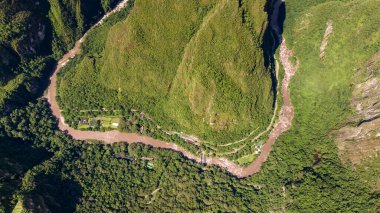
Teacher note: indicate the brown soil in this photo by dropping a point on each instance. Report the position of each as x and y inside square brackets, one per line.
[282, 125]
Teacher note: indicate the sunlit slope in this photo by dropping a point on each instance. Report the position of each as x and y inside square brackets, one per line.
[322, 88]
[327, 83]
[221, 82]
[143, 52]
[192, 66]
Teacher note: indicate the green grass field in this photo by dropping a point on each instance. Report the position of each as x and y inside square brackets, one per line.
[246, 159]
[186, 66]
[18, 208]
[107, 122]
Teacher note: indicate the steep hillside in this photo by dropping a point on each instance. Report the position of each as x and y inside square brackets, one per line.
[359, 141]
[34, 33]
[31, 36]
[71, 18]
[335, 44]
[221, 82]
[185, 65]
[16, 158]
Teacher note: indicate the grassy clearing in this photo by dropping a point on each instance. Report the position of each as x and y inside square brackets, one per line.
[106, 122]
[18, 208]
[246, 159]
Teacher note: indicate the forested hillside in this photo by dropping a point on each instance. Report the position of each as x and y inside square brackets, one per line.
[42, 169]
[337, 49]
[186, 66]
[32, 35]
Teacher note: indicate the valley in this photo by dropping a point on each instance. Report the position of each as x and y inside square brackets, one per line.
[189, 106]
[282, 125]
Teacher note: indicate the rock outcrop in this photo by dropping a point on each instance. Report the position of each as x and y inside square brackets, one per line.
[362, 140]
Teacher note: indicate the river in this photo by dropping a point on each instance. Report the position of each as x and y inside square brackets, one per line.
[283, 124]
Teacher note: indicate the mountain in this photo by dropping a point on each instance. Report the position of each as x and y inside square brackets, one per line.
[325, 160]
[186, 66]
[33, 33]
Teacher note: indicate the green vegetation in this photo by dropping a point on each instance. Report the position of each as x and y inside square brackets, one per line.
[180, 66]
[32, 34]
[111, 122]
[321, 90]
[303, 172]
[16, 158]
[247, 159]
[70, 18]
[96, 177]
[18, 208]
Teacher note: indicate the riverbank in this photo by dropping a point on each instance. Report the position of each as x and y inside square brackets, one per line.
[283, 124]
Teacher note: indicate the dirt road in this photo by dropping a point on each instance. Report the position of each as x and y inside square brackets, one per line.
[282, 125]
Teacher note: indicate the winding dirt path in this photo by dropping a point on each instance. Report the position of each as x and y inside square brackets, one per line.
[283, 124]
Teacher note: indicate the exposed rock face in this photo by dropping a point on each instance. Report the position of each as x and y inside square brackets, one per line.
[366, 99]
[359, 143]
[366, 95]
[362, 141]
[329, 30]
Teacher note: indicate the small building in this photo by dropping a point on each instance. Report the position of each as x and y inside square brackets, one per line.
[258, 146]
[83, 121]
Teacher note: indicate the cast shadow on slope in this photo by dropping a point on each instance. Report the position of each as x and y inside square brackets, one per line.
[272, 39]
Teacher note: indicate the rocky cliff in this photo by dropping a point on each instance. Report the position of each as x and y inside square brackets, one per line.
[359, 143]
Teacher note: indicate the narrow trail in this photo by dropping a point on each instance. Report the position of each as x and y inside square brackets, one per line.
[258, 136]
[283, 124]
[275, 26]
[269, 127]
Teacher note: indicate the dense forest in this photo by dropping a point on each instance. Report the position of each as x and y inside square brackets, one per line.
[121, 177]
[35, 34]
[43, 169]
